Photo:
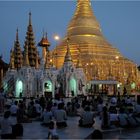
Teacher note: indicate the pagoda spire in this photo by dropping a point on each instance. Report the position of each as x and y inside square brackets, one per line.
[32, 50]
[30, 18]
[17, 53]
[68, 54]
[17, 35]
[44, 43]
[26, 58]
[83, 22]
[83, 8]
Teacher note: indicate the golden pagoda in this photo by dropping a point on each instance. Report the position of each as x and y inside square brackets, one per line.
[99, 59]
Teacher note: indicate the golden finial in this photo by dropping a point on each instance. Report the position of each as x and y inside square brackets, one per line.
[30, 20]
[84, 8]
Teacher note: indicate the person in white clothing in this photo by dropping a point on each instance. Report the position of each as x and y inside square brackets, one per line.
[6, 126]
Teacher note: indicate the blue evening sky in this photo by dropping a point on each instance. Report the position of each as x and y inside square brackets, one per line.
[119, 20]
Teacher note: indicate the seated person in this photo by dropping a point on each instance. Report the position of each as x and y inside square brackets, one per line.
[47, 117]
[6, 126]
[52, 134]
[14, 108]
[96, 134]
[130, 108]
[137, 110]
[123, 117]
[87, 118]
[54, 108]
[60, 116]
[114, 118]
[132, 121]
[21, 116]
[31, 110]
[71, 109]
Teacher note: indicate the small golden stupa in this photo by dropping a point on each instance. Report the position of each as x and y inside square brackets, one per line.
[99, 59]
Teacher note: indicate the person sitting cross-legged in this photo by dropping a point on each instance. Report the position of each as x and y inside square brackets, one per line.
[123, 117]
[60, 116]
[6, 126]
[21, 115]
[114, 121]
[47, 117]
[87, 118]
[14, 108]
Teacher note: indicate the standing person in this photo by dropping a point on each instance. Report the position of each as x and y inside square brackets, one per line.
[54, 108]
[42, 102]
[6, 126]
[2, 100]
[100, 108]
[105, 118]
[38, 108]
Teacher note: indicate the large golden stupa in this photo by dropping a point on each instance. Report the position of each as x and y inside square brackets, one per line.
[99, 59]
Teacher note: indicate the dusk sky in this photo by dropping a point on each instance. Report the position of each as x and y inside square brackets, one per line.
[119, 21]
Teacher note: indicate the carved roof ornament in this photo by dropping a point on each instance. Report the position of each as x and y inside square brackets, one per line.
[68, 54]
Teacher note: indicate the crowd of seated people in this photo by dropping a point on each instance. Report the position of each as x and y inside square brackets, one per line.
[124, 113]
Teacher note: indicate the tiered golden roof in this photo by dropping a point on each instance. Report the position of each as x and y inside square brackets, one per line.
[98, 57]
[44, 41]
[17, 53]
[32, 50]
